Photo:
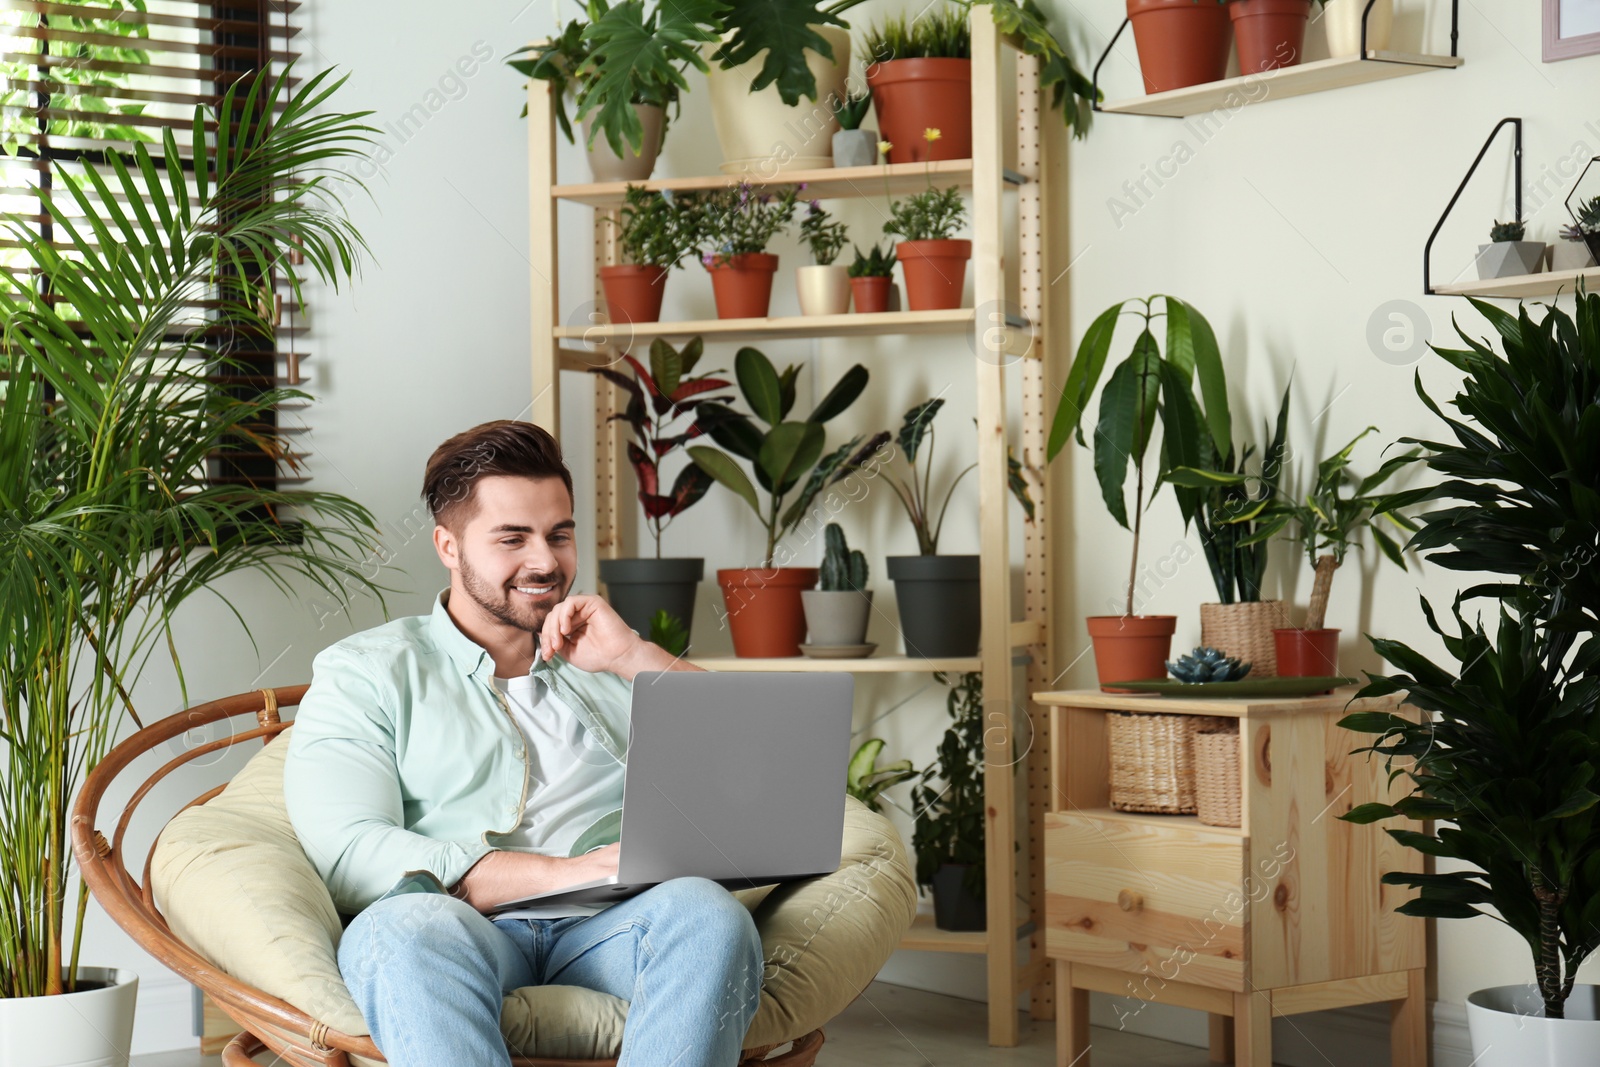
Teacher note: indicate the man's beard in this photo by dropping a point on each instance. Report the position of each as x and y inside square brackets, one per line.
[509, 606]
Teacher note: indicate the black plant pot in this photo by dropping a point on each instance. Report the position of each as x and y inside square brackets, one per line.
[939, 604]
[953, 907]
[638, 588]
[1593, 241]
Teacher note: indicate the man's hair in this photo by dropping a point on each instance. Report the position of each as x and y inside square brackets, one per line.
[503, 447]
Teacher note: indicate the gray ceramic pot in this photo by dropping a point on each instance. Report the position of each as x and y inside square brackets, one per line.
[855, 148]
[1508, 259]
[836, 617]
[939, 604]
[638, 588]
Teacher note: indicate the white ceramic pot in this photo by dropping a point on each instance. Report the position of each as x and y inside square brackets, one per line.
[1509, 1029]
[1570, 255]
[1342, 20]
[607, 166]
[89, 1028]
[823, 290]
[762, 136]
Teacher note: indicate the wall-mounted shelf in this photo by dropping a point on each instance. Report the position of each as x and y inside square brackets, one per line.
[1315, 77]
[1521, 285]
[896, 179]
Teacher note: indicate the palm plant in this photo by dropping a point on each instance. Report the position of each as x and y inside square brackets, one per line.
[111, 348]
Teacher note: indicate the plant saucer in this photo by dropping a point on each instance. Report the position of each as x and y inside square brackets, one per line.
[838, 651]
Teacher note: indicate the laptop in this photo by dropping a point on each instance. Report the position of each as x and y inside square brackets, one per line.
[736, 777]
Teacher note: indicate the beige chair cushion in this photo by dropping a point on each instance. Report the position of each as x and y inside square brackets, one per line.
[233, 883]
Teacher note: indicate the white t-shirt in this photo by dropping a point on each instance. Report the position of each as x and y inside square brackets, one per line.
[572, 782]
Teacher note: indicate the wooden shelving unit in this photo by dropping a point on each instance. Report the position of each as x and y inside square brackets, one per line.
[1007, 154]
[1315, 77]
[1547, 283]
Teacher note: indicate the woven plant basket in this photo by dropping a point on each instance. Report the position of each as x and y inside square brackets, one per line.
[1152, 760]
[1216, 775]
[1244, 631]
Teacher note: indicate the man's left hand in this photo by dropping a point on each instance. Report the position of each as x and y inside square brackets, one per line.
[589, 634]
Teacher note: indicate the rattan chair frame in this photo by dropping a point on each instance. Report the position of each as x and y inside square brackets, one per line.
[268, 1023]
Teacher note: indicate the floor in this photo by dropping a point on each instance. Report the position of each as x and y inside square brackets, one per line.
[892, 1026]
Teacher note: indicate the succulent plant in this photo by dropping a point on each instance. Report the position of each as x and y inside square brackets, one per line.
[1207, 665]
[843, 570]
[852, 109]
[1507, 231]
[1589, 215]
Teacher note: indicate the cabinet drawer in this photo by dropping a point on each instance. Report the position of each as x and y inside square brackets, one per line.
[1139, 894]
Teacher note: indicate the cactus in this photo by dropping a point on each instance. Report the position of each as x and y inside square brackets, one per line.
[843, 570]
[1507, 231]
[1207, 665]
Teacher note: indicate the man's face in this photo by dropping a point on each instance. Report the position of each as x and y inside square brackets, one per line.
[516, 556]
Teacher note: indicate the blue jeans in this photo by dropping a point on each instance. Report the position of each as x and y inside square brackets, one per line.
[428, 971]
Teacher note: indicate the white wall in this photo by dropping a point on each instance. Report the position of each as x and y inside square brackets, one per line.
[1289, 228]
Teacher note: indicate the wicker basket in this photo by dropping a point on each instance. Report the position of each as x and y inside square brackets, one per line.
[1244, 631]
[1216, 774]
[1152, 760]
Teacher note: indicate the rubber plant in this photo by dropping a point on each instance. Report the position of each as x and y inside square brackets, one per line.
[786, 456]
[1502, 766]
[659, 397]
[950, 807]
[110, 353]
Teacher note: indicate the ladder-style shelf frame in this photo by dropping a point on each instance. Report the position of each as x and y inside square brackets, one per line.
[1020, 340]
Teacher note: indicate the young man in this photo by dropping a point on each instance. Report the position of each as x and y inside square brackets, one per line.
[443, 764]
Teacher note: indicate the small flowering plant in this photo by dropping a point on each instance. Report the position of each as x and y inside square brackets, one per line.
[736, 220]
[931, 215]
[823, 233]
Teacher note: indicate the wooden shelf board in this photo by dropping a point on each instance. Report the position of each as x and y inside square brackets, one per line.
[867, 664]
[1520, 285]
[1183, 822]
[1165, 705]
[954, 320]
[926, 937]
[822, 184]
[1315, 77]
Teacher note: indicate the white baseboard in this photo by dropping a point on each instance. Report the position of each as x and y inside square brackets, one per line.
[163, 1017]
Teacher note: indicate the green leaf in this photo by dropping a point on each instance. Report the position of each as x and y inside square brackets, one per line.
[759, 384]
[1213, 379]
[722, 467]
[1114, 437]
[1362, 814]
[790, 450]
[918, 421]
[665, 366]
[1082, 379]
[861, 764]
[841, 396]
[1576, 804]
[781, 29]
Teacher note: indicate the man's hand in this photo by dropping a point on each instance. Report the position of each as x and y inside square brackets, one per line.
[502, 876]
[590, 635]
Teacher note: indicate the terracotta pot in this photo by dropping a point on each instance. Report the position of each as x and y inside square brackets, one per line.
[1341, 20]
[765, 613]
[871, 295]
[1180, 42]
[760, 135]
[1307, 653]
[1270, 33]
[911, 96]
[1131, 648]
[823, 290]
[634, 293]
[742, 284]
[1244, 631]
[607, 166]
[936, 272]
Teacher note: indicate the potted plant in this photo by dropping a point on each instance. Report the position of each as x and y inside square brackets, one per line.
[950, 812]
[654, 240]
[1571, 252]
[1501, 766]
[872, 281]
[853, 146]
[935, 263]
[763, 603]
[1180, 42]
[732, 228]
[624, 105]
[1269, 34]
[1586, 228]
[1508, 255]
[938, 596]
[823, 288]
[1147, 389]
[111, 417]
[836, 614]
[921, 78]
[659, 398]
[1225, 502]
[1342, 21]
[866, 781]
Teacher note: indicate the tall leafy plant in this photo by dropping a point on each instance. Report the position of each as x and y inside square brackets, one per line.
[950, 807]
[1148, 388]
[110, 411]
[1504, 760]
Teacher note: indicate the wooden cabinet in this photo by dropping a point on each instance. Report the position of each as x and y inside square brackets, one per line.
[1280, 915]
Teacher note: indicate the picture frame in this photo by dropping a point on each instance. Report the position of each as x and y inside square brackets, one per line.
[1571, 29]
